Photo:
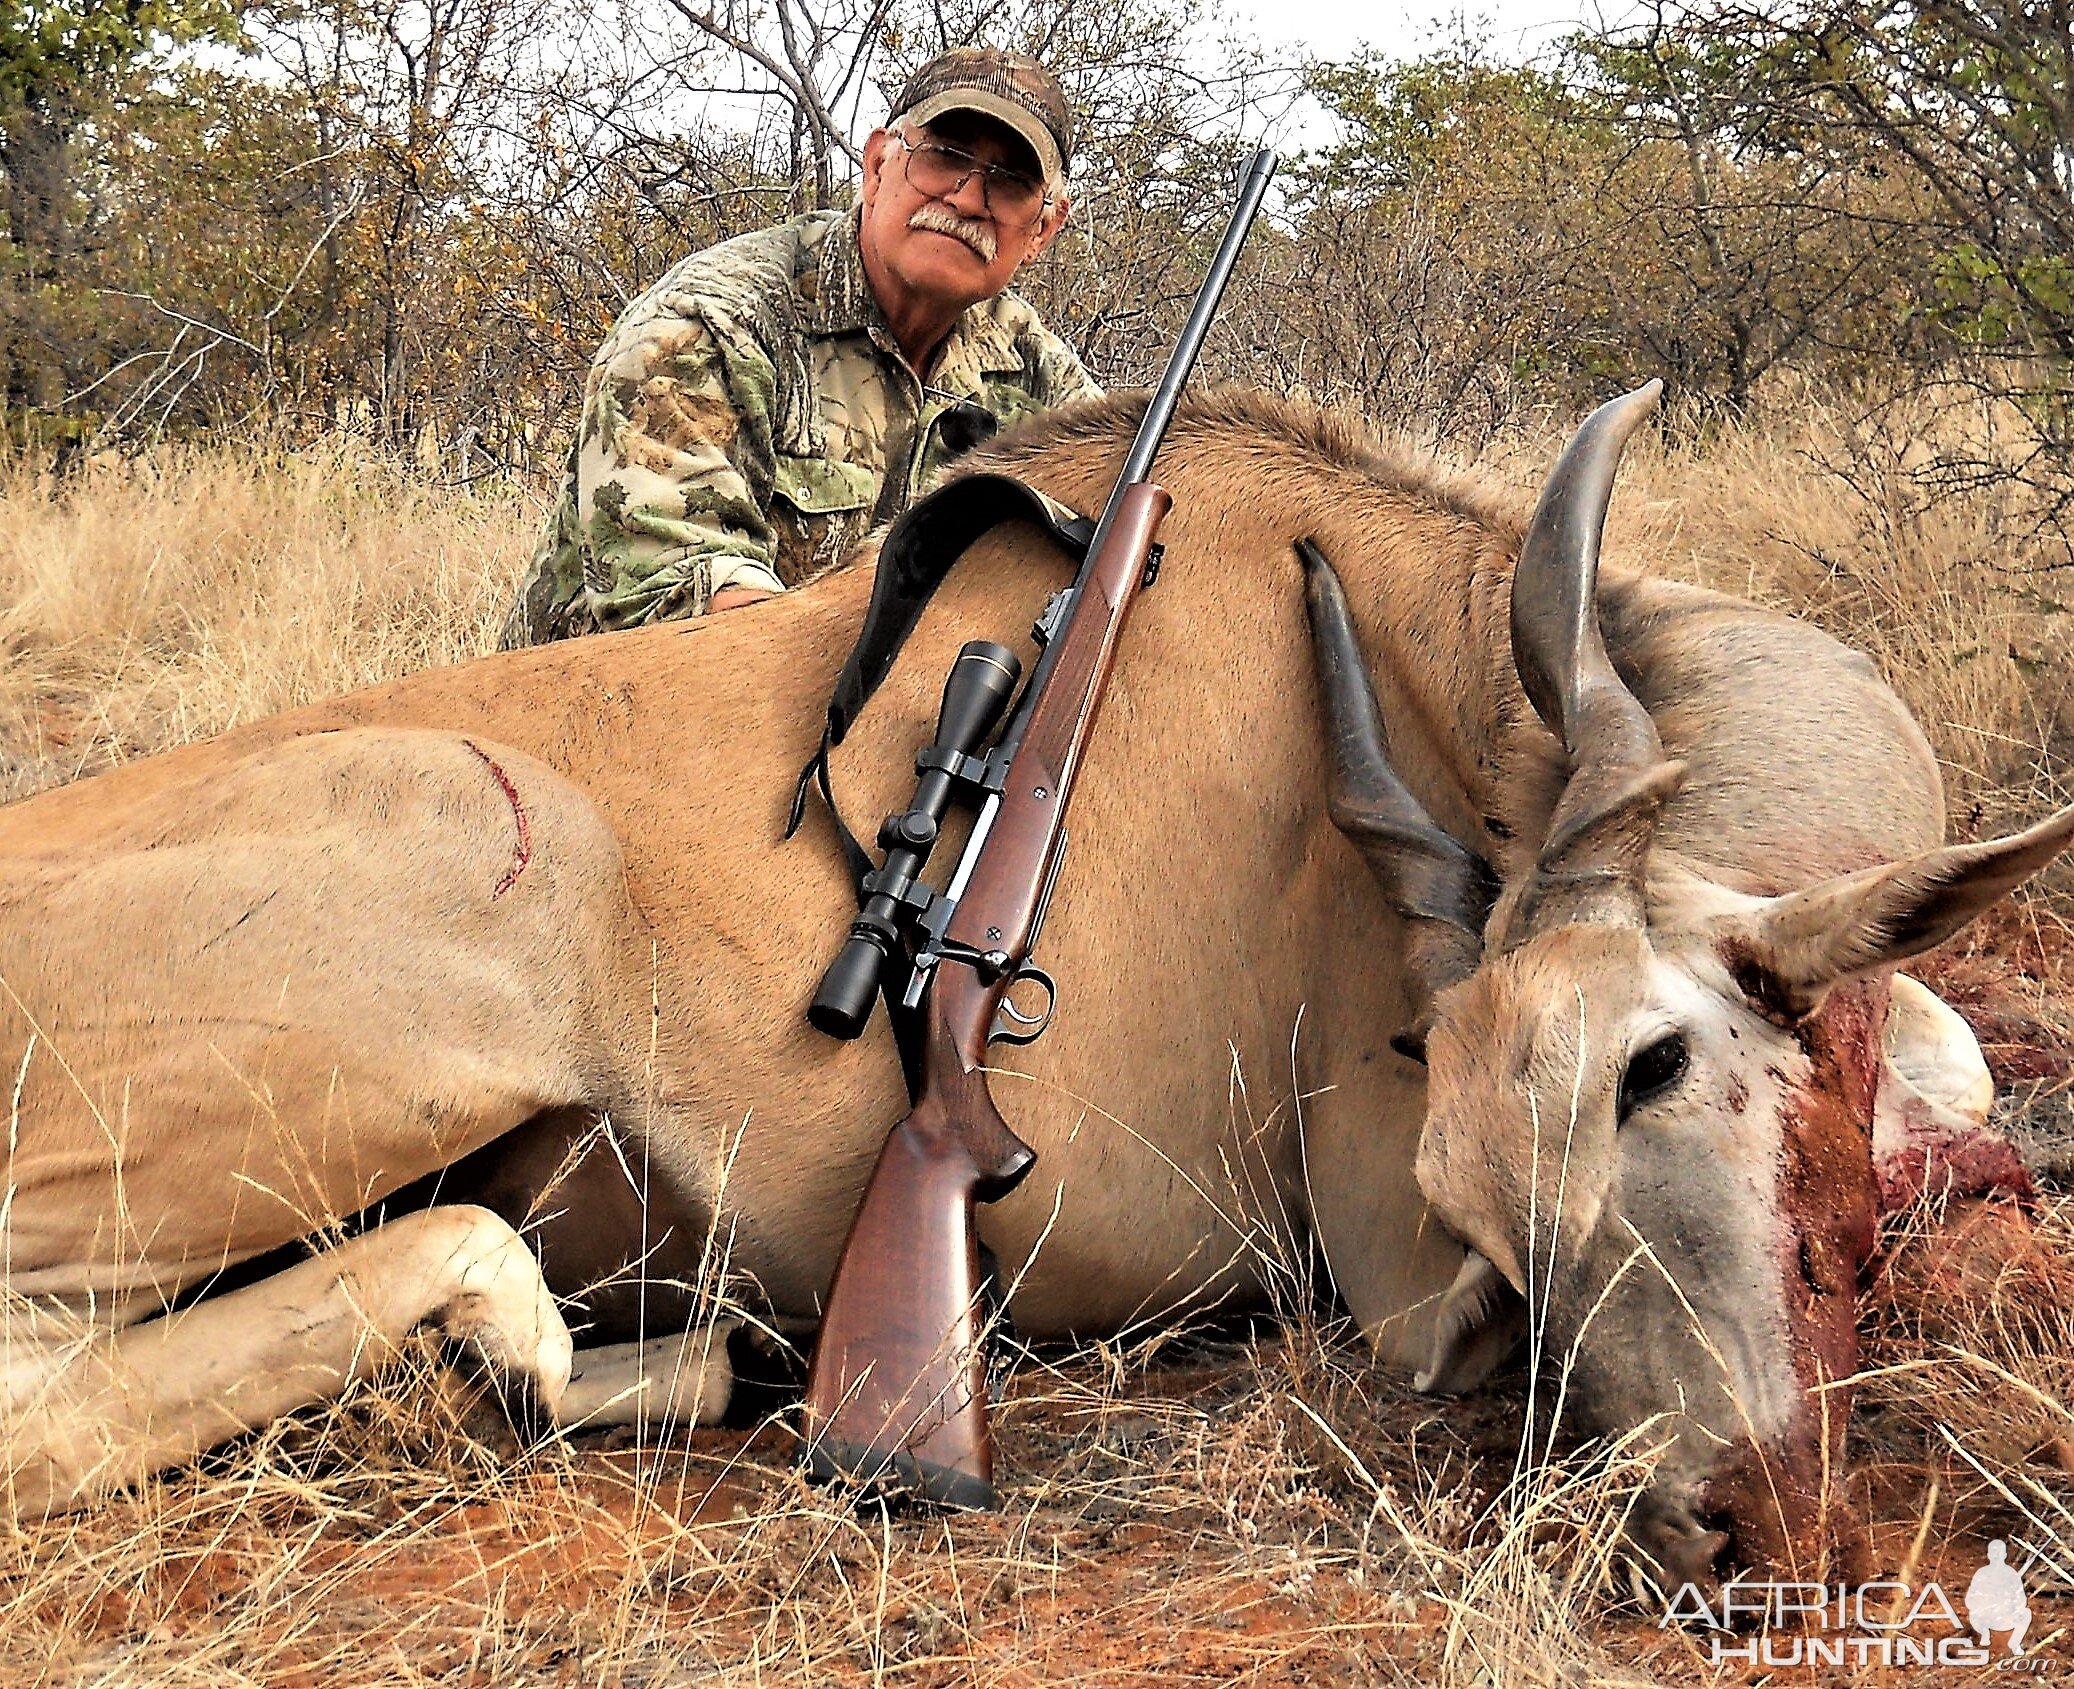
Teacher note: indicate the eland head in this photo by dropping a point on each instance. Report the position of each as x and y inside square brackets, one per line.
[1650, 1096]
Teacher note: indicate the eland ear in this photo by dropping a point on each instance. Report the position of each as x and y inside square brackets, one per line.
[1482, 1320]
[1786, 954]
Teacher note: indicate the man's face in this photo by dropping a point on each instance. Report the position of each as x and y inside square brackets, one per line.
[951, 249]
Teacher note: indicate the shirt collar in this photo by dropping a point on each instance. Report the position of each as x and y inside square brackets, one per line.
[841, 302]
[839, 298]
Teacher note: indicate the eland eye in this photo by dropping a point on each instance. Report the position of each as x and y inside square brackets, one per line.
[1652, 1071]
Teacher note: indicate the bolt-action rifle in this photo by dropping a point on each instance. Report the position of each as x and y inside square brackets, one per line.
[896, 1396]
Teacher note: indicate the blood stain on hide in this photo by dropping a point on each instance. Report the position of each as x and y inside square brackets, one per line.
[1942, 1166]
[1828, 1203]
[522, 853]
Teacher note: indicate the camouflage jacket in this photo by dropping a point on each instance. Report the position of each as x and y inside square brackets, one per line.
[750, 418]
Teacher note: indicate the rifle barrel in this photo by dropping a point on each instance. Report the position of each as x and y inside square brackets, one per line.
[1167, 395]
[1159, 411]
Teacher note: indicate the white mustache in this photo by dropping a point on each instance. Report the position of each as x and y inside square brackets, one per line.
[940, 220]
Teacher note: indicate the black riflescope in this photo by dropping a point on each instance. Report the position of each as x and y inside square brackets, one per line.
[981, 683]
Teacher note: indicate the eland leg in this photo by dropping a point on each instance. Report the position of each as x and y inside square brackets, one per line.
[688, 1378]
[668, 1383]
[627, 1254]
[90, 1412]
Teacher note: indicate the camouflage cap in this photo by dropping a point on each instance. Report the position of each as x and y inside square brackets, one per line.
[1008, 86]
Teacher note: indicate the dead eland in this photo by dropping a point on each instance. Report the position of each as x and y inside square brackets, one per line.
[1598, 1010]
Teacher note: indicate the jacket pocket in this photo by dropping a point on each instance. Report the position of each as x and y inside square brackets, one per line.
[821, 509]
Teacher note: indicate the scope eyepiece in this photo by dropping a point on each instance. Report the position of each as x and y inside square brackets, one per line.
[851, 985]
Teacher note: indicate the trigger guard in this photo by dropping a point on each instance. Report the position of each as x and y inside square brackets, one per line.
[1011, 1025]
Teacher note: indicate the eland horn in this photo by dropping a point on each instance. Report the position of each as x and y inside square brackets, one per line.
[1440, 886]
[1591, 860]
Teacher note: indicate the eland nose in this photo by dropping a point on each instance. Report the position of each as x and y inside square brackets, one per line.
[1783, 1514]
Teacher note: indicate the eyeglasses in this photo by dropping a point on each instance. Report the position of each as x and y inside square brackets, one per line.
[938, 172]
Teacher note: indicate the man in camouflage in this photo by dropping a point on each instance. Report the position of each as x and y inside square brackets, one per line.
[763, 406]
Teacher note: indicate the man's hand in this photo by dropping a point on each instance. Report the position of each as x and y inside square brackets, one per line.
[734, 597]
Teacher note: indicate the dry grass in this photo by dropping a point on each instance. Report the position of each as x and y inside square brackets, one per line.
[1191, 1526]
[147, 603]
[1261, 1510]
[1254, 1508]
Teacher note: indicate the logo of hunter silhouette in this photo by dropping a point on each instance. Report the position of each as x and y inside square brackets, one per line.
[1995, 1599]
[1886, 1622]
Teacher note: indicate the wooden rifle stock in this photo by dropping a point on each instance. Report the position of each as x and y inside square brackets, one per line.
[897, 1393]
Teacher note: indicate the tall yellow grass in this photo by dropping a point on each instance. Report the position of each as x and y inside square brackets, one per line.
[1963, 599]
[147, 602]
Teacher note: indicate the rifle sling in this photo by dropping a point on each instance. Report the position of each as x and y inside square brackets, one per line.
[919, 552]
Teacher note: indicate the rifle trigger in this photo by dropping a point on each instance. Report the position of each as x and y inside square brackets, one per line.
[1011, 1025]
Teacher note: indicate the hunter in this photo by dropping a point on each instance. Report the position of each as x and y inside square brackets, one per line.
[770, 400]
